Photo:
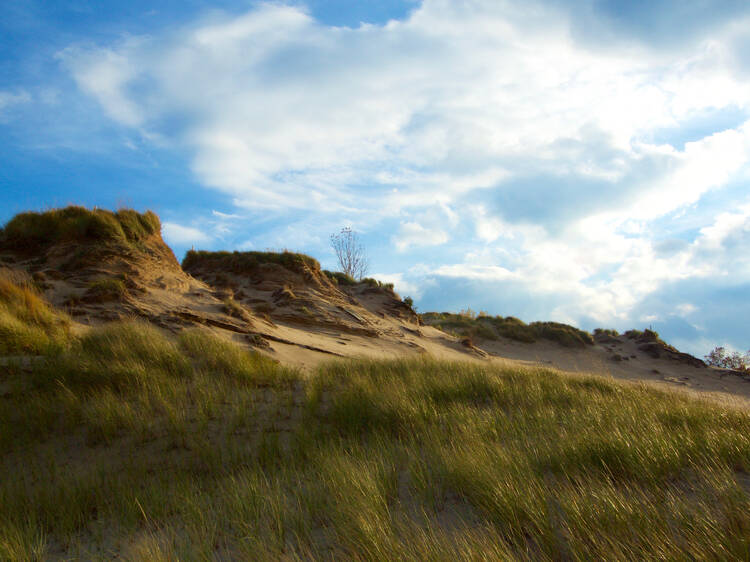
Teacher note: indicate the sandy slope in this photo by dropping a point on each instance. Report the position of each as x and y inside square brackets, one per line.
[716, 384]
[300, 317]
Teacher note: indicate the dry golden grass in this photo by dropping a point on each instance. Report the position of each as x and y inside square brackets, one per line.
[28, 326]
[135, 444]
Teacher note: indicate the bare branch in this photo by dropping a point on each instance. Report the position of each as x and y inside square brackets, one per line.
[350, 253]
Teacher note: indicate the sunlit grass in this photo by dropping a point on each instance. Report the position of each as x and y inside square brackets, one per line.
[136, 444]
[28, 326]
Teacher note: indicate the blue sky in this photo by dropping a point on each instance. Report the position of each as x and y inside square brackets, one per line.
[583, 161]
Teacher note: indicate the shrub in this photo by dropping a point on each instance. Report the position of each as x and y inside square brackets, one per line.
[719, 357]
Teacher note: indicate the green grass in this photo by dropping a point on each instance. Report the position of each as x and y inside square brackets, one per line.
[340, 278]
[468, 324]
[244, 262]
[35, 232]
[28, 326]
[106, 289]
[136, 444]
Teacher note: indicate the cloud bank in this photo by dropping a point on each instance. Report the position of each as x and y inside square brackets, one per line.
[501, 151]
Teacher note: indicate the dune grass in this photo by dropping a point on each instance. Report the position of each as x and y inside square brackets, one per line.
[468, 324]
[245, 262]
[34, 231]
[28, 326]
[148, 447]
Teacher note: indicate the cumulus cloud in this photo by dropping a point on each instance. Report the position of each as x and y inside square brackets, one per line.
[524, 152]
[414, 235]
[282, 111]
[183, 235]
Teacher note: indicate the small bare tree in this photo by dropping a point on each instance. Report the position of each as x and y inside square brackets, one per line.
[350, 253]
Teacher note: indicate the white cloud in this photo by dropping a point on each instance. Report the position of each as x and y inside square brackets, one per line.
[400, 284]
[414, 235]
[281, 111]
[481, 272]
[177, 234]
[106, 75]
[484, 129]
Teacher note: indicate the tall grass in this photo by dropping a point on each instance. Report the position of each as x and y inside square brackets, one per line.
[483, 326]
[193, 448]
[28, 326]
[244, 262]
[35, 231]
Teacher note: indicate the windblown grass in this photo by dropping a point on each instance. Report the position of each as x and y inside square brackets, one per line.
[35, 231]
[245, 262]
[194, 448]
[28, 326]
[468, 324]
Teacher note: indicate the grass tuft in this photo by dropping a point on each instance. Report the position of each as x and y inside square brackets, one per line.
[28, 325]
[32, 231]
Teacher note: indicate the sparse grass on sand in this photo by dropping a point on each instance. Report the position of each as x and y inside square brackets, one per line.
[138, 445]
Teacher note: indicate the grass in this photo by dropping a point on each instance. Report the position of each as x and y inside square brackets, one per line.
[28, 326]
[468, 324]
[106, 289]
[236, 310]
[34, 231]
[136, 444]
[245, 262]
[340, 278]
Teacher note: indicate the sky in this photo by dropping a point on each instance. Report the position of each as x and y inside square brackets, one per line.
[584, 161]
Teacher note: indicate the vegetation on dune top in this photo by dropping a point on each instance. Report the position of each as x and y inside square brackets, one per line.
[191, 447]
[243, 262]
[32, 231]
[469, 324]
[340, 278]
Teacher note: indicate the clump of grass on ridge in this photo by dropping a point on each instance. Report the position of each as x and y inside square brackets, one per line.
[469, 324]
[34, 231]
[244, 262]
[340, 278]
